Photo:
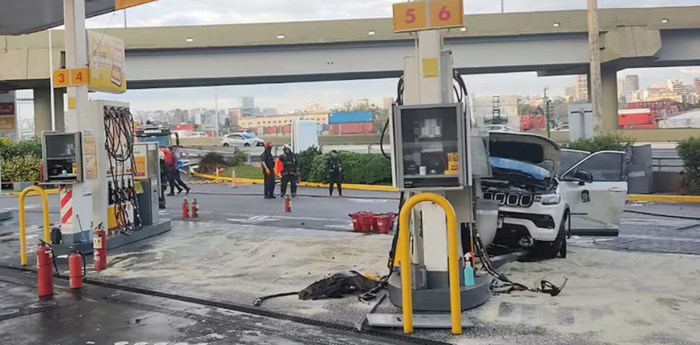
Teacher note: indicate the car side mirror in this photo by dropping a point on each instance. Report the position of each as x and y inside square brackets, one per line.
[583, 177]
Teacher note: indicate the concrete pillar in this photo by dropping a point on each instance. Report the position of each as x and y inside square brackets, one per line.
[609, 118]
[42, 110]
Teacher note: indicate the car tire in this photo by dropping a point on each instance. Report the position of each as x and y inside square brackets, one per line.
[246, 145]
[225, 144]
[550, 250]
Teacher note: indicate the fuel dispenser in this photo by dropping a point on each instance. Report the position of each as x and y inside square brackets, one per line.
[147, 177]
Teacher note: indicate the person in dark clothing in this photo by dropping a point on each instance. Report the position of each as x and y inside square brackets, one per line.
[267, 160]
[290, 171]
[335, 173]
[174, 174]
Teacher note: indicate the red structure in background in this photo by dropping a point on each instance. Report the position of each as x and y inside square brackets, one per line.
[351, 128]
[659, 109]
[636, 118]
[185, 127]
[530, 122]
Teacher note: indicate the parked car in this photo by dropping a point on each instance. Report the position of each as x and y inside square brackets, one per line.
[499, 128]
[241, 139]
[197, 135]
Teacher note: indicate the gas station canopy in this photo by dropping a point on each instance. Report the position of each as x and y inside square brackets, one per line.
[19, 17]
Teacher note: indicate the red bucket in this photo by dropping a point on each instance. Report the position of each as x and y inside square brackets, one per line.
[366, 221]
[384, 222]
[356, 225]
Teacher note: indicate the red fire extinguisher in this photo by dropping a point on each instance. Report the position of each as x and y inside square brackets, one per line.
[77, 269]
[287, 204]
[45, 263]
[99, 247]
[185, 209]
[195, 209]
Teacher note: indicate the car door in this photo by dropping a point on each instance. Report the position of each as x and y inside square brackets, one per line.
[596, 206]
[236, 140]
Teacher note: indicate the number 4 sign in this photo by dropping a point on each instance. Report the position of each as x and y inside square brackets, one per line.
[422, 15]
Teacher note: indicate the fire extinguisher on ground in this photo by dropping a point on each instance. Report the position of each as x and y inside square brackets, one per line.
[46, 265]
[195, 209]
[76, 272]
[185, 209]
[99, 247]
[287, 203]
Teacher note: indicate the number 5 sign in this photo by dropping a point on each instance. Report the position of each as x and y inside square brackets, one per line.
[422, 15]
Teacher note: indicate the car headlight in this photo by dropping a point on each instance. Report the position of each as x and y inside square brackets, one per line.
[548, 199]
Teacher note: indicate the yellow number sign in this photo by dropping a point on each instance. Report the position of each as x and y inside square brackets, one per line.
[61, 78]
[410, 16]
[419, 15]
[79, 76]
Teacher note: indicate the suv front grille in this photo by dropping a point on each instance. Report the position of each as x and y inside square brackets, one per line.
[510, 199]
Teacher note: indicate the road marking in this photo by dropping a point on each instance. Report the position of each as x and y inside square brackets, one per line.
[279, 217]
[369, 201]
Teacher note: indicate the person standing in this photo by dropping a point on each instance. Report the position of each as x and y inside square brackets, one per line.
[290, 168]
[268, 164]
[335, 173]
[174, 174]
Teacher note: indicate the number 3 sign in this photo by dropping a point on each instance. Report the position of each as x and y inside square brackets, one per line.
[422, 15]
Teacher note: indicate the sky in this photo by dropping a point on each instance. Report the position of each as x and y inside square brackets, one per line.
[296, 95]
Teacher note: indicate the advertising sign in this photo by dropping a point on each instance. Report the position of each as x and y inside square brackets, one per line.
[8, 115]
[106, 63]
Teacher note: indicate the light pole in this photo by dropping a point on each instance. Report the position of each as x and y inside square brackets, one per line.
[502, 6]
[595, 73]
[545, 102]
[216, 106]
[125, 18]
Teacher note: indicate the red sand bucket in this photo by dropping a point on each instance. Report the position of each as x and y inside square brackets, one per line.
[384, 222]
[356, 225]
[366, 220]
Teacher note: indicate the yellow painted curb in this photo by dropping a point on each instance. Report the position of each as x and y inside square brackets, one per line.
[48, 192]
[664, 198]
[378, 188]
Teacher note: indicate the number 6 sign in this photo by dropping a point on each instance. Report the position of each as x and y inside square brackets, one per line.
[446, 14]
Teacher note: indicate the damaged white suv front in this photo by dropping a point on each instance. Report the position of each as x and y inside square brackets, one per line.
[532, 212]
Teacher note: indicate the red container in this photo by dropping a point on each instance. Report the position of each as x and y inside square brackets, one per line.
[356, 225]
[287, 129]
[366, 220]
[351, 128]
[384, 223]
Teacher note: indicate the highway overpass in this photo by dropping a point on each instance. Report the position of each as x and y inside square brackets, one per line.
[551, 43]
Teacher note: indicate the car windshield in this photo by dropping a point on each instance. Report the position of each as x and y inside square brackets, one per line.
[248, 135]
[162, 140]
[532, 170]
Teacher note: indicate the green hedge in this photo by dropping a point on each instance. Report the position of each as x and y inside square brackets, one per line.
[689, 152]
[358, 168]
[609, 141]
[20, 160]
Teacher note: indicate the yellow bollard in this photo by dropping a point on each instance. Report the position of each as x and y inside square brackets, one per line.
[403, 253]
[23, 221]
[233, 178]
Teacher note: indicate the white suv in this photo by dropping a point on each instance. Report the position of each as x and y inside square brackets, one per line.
[537, 209]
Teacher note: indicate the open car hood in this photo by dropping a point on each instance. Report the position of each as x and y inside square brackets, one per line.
[526, 147]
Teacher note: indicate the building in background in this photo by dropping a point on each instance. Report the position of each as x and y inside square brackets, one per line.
[581, 88]
[314, 107]
[387, 102]
[361, 102]
[632, 82]
[676, 85]
[247, 106]
[620, 86]
[570, 93]
[278, 124]
[498, 109]
[697, 85]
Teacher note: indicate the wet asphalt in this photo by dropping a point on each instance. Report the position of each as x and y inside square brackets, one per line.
[105, 316]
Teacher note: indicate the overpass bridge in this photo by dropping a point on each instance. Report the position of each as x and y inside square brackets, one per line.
[550, 43]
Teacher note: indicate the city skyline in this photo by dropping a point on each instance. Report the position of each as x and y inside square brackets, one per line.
[295, 96]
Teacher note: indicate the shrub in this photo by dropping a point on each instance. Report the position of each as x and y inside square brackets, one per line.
[358, 168]
[21, 168]
[609, 141]
[210, 162]
[239, 158]
[306, 161]
[12, 149]
[689, 151]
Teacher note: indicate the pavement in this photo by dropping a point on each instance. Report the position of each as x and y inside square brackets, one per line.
[243, 246]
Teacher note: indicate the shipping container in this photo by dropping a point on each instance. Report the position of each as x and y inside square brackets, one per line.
[185, 127]
[286, 129]
[352, 117]
[642, 116]
[351, 128]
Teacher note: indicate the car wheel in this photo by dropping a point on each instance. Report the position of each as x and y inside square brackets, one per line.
[246, 145]
[225, 144]
[550, 250]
